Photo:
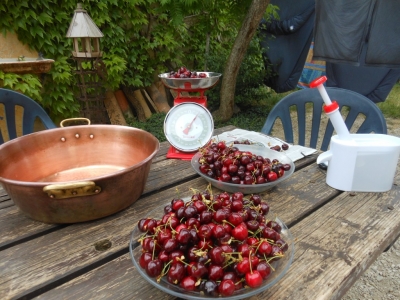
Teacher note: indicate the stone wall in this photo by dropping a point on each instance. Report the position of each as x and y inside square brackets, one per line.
[11, 47]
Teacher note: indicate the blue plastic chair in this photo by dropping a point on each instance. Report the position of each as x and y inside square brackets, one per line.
[355, 103]
[32, 111]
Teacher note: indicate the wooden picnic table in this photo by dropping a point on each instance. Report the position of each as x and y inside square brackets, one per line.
[337, 236]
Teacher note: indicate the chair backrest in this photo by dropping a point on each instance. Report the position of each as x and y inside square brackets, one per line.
[356, 104]
[13, 104]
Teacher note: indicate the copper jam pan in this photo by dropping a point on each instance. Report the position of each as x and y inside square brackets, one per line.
[77, 173]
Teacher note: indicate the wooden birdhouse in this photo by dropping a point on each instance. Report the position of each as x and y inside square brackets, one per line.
[85, 34]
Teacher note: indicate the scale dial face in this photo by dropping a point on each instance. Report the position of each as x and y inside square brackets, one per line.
[188, 126]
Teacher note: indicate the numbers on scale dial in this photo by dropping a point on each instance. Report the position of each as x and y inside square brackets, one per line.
[188, 126]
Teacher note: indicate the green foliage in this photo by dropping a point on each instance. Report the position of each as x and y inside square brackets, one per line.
[154, 125]
[391, 106]
[116, 67]
[27, 84]
[142, 38]
[253, 117]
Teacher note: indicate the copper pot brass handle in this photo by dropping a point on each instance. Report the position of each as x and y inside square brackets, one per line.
[74, 121]
[71, 190]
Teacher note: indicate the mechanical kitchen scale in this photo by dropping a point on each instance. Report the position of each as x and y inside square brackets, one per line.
[188, 125]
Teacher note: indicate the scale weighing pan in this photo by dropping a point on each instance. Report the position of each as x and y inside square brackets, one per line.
[190, 84]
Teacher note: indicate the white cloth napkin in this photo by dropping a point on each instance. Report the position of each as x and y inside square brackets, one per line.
[295, 152]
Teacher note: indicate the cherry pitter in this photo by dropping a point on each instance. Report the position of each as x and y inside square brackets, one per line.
[356, 162]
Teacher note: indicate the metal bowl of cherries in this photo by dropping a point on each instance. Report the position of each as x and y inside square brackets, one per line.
[240, 167]
[186, 80]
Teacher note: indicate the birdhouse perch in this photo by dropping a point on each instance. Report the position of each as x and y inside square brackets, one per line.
[85, 34]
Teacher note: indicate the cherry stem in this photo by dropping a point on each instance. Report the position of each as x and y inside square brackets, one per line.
[251, 267]
[267, 261]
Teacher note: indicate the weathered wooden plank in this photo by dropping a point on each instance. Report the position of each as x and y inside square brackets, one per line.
[120, 274]
[6, 203]
[70, 249]
[338, 243]
[17, 227]
[2, 191]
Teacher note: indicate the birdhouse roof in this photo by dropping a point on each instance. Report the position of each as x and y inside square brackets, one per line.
[82, 25]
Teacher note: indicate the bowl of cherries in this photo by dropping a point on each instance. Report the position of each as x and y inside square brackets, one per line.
[187, 80]
[210, 246]
[239, 167]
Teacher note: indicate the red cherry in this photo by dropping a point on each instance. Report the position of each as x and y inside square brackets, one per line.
[142, 224]
[244, 160]
[270, 234]
[218, 231]
[243, 267]
[254, 260]
[221, 145]
[206, 217]
[183, 236]
[252, 225]
[264, 208]
[226, 287]
[264, 248]
[163, 235]
[253, 279]
[200, 206]
[235, 218]
[232, 169]
[144, 259]
[215, 272]
[217, 256]
[163, 256]
[275, 226]
[177, 203]
[228, 228]
[225, 177]
[237, 205]
[286, 167]
[197, 270]
[192, 223]
[244, 249]
[282, 244]
[205, 232]
[237, 196]
[180, 227]
[240, 232]
[154, 268]
[188, 283]
[220, 215]
[176, 273]
[248, 179]
[260, 180]
[272, 176]
[175, 255]
[264, 269]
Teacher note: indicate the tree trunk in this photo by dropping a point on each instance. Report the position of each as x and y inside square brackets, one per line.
[249, 27]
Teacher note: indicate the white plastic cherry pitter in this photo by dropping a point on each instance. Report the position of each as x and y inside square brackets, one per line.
[357, 162]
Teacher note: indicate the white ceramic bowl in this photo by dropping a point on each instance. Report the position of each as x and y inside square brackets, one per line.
[245, 188]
